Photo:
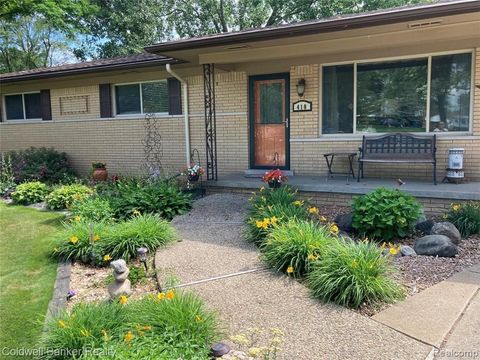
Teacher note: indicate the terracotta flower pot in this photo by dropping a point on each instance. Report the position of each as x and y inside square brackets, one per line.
[100, 174]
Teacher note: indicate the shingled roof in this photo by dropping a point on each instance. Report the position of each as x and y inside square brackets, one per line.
[116, 63]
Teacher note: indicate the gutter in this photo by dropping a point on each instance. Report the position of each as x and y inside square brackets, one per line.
[185, 111]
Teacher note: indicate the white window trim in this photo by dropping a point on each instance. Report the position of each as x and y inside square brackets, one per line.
[385, 59]
[4, 108]
[141, 113]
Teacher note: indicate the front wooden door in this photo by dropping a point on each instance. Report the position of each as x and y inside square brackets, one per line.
[269, 113]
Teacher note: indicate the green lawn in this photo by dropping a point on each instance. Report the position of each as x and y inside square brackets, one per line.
[27, 274]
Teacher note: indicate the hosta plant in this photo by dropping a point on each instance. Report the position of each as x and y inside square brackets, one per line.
[30, 193]
[64, 196]
[385, 214]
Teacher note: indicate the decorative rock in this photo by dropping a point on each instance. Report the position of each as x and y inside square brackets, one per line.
[424, 226]
[406, 250]
[344, 222]
[448, 229]
[119, 266]
[435, 245]
[121, 285]
[220, 349]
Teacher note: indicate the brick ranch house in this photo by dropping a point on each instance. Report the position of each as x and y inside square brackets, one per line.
[234, 96]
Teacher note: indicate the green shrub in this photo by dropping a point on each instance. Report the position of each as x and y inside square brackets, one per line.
[46, 165]
[123, 239]
[64, 196]
[150, 328]
[93, 208]
[30, 193]
[351, 274]
[129, 196]
[465, 217]
[294, 245]
[385, 214]
[110, 241]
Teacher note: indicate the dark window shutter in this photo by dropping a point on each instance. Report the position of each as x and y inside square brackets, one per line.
[105, 100]
[46, 104]
[174, 97]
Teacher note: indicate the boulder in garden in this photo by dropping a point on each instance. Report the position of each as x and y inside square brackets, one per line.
[448, 229]
[435, 245]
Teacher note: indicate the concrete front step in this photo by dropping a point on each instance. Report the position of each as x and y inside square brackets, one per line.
[430, 315]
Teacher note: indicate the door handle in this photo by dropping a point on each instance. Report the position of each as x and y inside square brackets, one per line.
[286, 122]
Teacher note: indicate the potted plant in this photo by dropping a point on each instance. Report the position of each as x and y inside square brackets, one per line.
[194, 172]
[274, 178]
[100, 172]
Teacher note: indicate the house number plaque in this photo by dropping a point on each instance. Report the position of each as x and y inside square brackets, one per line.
[302, 105]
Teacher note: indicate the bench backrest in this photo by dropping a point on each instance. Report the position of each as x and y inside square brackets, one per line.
[399, 145]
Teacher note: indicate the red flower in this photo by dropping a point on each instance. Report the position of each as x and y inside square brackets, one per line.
[274, 176]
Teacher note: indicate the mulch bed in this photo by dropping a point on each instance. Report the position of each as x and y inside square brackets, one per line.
[90, 283]
[417, 273]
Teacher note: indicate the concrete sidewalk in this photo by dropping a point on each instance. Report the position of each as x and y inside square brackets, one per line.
[446, 315]
[214, 261]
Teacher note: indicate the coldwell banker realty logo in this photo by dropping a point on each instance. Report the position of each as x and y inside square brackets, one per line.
[64, 353]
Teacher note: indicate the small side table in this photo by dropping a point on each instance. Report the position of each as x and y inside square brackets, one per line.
[331, 156]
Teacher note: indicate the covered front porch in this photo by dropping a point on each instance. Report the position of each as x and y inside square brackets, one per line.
[340, 190]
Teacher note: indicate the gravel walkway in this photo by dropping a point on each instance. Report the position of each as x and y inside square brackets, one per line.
[213, 246]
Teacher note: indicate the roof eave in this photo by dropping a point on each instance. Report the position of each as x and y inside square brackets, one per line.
[81, 71]
[301, 29]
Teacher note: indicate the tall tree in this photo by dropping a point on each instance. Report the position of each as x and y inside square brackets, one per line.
[29, 43]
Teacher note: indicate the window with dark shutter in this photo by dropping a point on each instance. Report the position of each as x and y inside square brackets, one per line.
[105, 100]
[174, 97]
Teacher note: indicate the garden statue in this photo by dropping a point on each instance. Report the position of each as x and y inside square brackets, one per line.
[121, 285]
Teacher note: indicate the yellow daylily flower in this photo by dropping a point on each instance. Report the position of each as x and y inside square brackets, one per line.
[259, 223]
[334, 229]
[456, 207]
[74, 239]
[170, 294]
[161, 296]
[273, 219]
[298, 203]
[290, 270]
[394, 250]
[313, 210]
[123, 299]
[128, 337]
[107, 258]
[96, 237]
[77, 218]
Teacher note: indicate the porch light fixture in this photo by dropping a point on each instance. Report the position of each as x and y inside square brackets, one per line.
[142, 256]
[301, 87]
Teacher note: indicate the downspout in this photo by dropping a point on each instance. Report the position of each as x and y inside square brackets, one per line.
[185, 110]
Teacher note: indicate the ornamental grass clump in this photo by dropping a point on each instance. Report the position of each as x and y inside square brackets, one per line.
[385, 214]
[150, 231]
[352, 274]
[465, 217]
[270, 207]
[169, 325]
[64, 196]
[293, 246]
[80, 240]
[30, 193]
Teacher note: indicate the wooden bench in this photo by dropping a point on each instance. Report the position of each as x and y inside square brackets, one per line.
[398, 148]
